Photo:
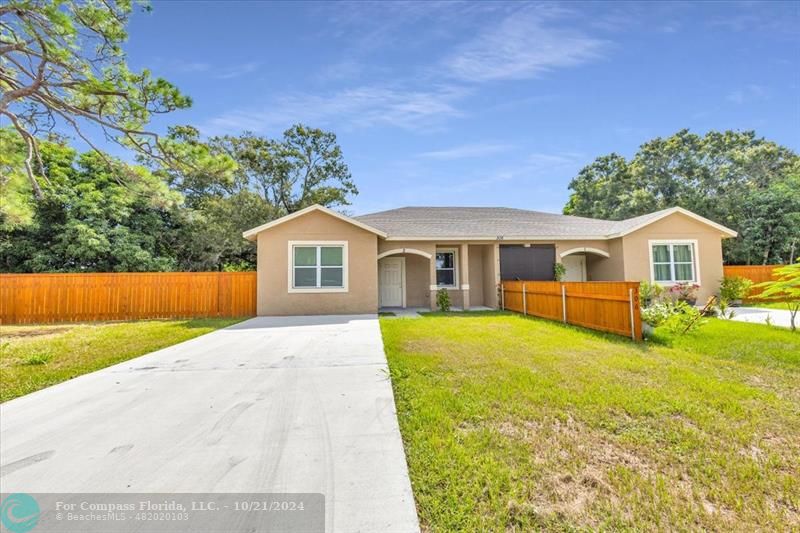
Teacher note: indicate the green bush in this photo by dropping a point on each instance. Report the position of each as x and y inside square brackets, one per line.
[734, 287]
[657, 314]
[559, 270]
[443, 300]
[649, 293]
[685, 318]
[678, 316]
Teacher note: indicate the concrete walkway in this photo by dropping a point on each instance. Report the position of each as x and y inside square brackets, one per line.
[758, 315]
[291, 404]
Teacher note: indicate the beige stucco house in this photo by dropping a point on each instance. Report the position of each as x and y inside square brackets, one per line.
[318, 261]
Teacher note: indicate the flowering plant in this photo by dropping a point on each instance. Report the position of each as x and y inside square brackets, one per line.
[684, 291]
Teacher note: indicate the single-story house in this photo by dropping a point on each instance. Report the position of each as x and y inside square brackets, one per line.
[318, 261]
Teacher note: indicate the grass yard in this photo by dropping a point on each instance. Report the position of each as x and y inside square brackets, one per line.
[35, 357]
[514, 423]
[768, 305]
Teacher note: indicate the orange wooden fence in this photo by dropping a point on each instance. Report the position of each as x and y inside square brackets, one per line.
[611, 306]
[755, 273]
[40, 298]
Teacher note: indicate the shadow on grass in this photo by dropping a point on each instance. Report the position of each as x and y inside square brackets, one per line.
[642, 346]
[465, 314]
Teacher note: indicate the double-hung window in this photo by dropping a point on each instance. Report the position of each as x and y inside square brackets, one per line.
[446, 275]
[673, 262]
[318, 266]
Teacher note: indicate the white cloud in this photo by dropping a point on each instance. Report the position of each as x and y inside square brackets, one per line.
[191, 66]
[235, 71]
[466, 151]
[363, 106]
[220, 73]
[523, 46]
[746, 94]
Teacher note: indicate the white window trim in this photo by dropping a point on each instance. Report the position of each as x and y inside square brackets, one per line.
[695, 258]
[455, 267]
[317, 290]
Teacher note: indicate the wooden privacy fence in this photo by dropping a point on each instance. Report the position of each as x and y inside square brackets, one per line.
[755, 273]
[39, 298]
[611, 306]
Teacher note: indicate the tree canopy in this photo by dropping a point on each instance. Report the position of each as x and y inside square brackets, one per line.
[734, 178]
[167, 218]
[63, 68]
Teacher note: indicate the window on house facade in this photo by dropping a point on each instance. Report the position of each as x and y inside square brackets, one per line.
[673, 262]
[318, 266]
[446, 268]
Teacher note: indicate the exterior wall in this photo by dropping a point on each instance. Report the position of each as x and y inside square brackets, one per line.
[476, 253]
[599, 268]
[417, 281]
[677, 226]
[274, 263]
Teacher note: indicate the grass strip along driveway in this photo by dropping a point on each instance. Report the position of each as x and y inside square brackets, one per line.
[514, 423]
[35, 357]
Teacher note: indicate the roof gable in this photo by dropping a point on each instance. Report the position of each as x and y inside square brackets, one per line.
[251, 234]
[634, 224]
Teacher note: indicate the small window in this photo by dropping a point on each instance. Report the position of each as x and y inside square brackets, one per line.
[318, 267]
[446, 268]
[673, 262]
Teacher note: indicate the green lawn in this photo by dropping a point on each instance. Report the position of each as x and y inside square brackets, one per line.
[768, 305]
[513, 423]
[34, 357]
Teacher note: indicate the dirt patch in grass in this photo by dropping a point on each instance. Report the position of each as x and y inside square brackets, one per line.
[9, 332]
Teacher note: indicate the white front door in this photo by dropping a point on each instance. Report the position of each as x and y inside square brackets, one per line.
[390, 281]
[575, 265]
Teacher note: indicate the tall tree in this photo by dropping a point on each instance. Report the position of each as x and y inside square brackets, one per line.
[305, 167]
[62, 65]
[87, 221]
[735, 178]
[272, 178]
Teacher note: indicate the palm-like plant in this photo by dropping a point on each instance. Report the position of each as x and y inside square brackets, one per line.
[785, 287]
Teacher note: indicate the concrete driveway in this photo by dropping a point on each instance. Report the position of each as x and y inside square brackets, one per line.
[273, 404]
[763, 315]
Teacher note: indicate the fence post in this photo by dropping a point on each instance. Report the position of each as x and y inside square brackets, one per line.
[502, 296]
[630, 304]
[524, 301]
[564, 302]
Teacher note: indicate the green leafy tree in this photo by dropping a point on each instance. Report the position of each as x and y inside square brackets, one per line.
[87, 220]
[734, 178]
[786, 288]
[305, 167]
[62, 66]
[271, 178]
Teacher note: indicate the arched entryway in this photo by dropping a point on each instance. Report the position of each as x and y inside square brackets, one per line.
[578, 263]
[403, 278]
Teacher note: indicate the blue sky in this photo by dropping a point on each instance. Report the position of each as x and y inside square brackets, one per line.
[485, 104]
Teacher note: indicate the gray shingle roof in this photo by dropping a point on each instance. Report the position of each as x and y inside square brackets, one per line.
[492, 222]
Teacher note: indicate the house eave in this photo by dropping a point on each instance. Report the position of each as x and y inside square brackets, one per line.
[252, 234]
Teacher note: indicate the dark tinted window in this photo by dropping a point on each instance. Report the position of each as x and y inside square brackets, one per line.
[534, 263]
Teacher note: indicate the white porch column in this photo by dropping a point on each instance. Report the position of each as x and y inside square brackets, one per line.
[491, 299]
[464, 276]
[433, 287]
